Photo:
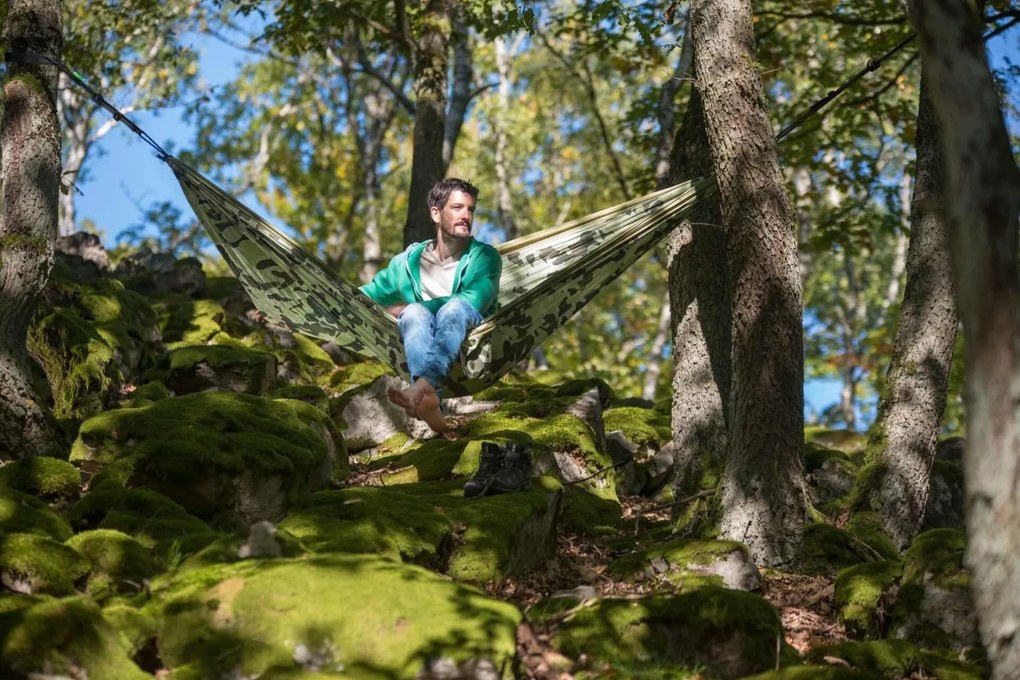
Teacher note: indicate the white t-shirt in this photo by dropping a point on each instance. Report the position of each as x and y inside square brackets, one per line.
[437, 275]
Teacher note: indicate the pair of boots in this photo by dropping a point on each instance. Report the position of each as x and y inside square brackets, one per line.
[501, 469]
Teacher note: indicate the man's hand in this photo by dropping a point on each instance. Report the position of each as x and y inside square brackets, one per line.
[395, 310]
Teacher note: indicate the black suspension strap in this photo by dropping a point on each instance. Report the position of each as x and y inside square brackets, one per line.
[872, 65]
[41, 59]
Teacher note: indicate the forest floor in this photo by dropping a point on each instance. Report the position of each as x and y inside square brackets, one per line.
[805, 603]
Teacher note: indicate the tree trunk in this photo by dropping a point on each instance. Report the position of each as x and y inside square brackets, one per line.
[504, 202]
[460, 95]
[30, 173]
[700, 312]
[983, 199]
[764, 503]
[902, 444]
[429, 121]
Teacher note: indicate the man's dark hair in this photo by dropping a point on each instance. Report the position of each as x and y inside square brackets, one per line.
[440, 193]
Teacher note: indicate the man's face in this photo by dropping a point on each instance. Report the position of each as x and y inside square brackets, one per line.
[454, 219]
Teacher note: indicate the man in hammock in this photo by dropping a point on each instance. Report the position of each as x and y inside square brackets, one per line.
[438, 290]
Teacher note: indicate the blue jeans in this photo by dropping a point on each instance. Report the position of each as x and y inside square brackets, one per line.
[432, 341]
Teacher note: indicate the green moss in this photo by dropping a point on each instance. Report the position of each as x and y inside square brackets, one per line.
[887, 658]
[45, 565]
[135, 626]
[310, 394]
[866, 527]
[188, 321]
[680, 555]
[173, 440]
[22, 513]
[77, 361]
[355, 375]
[816, 455]
[313, 356]
[68, 637]
[119, 563]
[365, 616]
[145, 394]
[706, 619]
[644, 427]
[847, 441]
[860, 592]
[26, 243]
[826, 549]
[186, 356]
[41, 476]
[940, 553]
[590, 511]
[812, 673]
[148, 517]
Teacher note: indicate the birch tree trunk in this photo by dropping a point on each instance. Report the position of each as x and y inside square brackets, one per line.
[763, 499]
[901, 448]
[30, 173]
[983, 198]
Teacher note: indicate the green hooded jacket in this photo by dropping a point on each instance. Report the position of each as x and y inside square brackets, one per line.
[476, 279]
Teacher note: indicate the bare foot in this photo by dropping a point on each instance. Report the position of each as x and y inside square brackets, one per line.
[426, 407]
[400, 399]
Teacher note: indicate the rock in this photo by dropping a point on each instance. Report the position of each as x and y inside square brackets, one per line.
[691, 562]
[201, 368]
[118, 562]
[951, 449]
[83, 256]
[588, 409]
[218, 451]
[830, 474]
[50, 479]
[724, 633]
[22, 513]
[372, 418]
[659, 471]
[65, 638]
[863, 594]
[33, 564]
[432, 524]
[944, 509]
[349, 614]
[934, 606]
[261, 542]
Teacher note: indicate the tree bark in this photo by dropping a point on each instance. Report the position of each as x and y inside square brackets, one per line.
[699, 291]
[901, 449]
[763, 499]
[430, 61]
[30, 173]
[460, 95]
[983, 198]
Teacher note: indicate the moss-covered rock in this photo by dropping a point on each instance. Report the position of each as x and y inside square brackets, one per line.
[935, 607]
[358, 615]
[355, 375]
[720, 632]
[118, 562]
[863, 595]
[847, 441]
[644, 427]
[144, 395]
[149, 517]
[898, 659]
[49, 479]
[186, 321]
[691, 562]
[30, 563]
[21, 513]
[828, 549]
[830, 476]
[475, 540]
[196, 368]
[219, 451]
[944, 509]
[813, 673]
[67, 637]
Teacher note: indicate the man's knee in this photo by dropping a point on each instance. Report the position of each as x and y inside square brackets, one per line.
[459, 311]
[414, 316]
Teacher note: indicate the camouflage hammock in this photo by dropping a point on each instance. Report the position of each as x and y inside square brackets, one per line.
[547, 277]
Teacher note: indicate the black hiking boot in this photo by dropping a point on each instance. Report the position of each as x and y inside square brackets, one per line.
[489, 463]
[515, 475]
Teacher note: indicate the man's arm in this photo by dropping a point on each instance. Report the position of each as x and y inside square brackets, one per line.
[384, 287]
[481, 287]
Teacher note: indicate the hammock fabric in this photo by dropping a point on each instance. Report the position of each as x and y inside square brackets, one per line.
[547, 277]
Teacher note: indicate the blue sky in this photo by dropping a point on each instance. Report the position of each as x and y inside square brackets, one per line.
[127, 176]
